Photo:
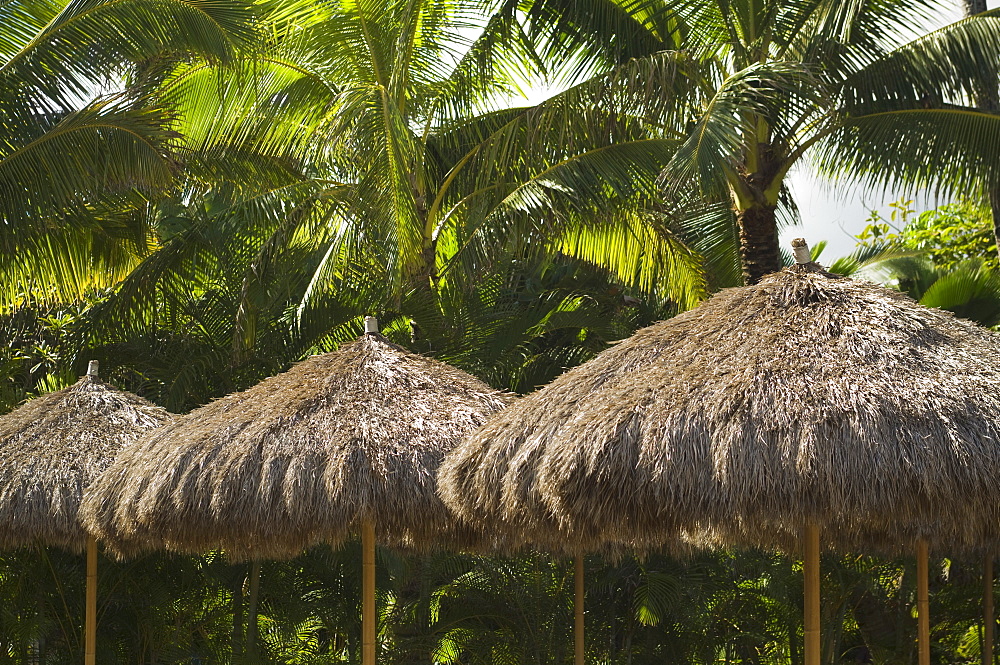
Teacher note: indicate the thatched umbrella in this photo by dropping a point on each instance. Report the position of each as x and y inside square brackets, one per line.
[51, 449]
[343, 442]
[807, 399]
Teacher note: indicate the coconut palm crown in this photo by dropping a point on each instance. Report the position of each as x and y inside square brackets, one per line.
[85, 136]
[759, 88]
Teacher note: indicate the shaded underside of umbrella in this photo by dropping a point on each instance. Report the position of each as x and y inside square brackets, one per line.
[849, 536]
[53, 447]
[344, 438]
[807, 398]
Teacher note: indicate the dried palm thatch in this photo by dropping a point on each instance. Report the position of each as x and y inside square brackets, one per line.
[56, 445]
[301, 458]
[806, 397]
[848, 536]
[848, 539]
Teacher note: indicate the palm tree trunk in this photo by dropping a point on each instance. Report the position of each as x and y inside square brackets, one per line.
[987, 100]
[252, 612]
[759, 253]
[238, 634]
[422, 280]
[422, 269]
[794, 619]
[974, 6]
[994, 194]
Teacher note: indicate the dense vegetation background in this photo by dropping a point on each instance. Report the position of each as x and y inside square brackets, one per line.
[198, 193]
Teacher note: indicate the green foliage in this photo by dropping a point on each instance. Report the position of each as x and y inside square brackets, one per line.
[945, 257]
[265, 174]
[38, 350]
[955, 233]
[453, 609]
[763, 86]
[79, 142]
[950, 234]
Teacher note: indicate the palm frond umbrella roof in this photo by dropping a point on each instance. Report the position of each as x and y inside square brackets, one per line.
[806, 397]
[53, 447]
[946, 537]
[300, 458]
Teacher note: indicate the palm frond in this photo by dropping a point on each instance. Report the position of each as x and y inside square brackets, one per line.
[108, 146]
[952, 64]
[946, 150]
[610, 31]
[643, 255]
[92, 41]
[778, 93]
[65, 265]
[970, 291]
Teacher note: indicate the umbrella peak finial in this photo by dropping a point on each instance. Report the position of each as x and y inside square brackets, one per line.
[371, 325]
[801, 250]
[92, 368]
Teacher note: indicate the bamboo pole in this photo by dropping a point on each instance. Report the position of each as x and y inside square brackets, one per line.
[368, 591]
[90, 612]
[578, 643]
[368, 566]
[923, 606]
[90, 629]
[810, 571]
[989, 620]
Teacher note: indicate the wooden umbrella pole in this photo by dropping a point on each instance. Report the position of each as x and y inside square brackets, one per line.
[923, 606]
[578, 643]
[810, 571]
[90, 630]
[368, 591]
[988, 619]
[90, 611]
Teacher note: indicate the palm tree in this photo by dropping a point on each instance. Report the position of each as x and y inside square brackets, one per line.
[229, 298]
[81, 137]
[772, 83]
[313, 194]
[988, 100]
[387, 112]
